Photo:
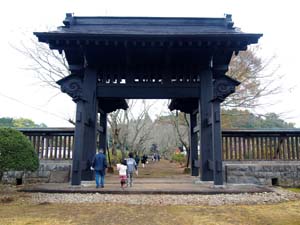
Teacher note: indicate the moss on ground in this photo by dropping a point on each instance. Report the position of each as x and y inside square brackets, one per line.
[294, 190]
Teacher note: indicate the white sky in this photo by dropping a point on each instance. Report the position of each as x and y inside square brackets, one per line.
[277, 20]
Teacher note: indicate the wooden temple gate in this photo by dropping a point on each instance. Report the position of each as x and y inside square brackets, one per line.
[116, 58]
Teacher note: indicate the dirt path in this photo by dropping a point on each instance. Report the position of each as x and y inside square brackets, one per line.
[163, 168]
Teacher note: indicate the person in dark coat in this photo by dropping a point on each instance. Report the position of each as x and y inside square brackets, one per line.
[137, 159]
[99, 165]
[144, 160]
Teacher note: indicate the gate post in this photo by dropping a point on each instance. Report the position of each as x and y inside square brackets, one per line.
[78, 144]
[193, 145]
[206, 146]
[217, 143]
[223, 86]
[103, 131]
[90, 122]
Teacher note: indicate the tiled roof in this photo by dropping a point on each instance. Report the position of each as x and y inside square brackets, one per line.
[147, 25]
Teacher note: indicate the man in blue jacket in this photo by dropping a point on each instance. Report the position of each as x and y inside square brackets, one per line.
[99, 165]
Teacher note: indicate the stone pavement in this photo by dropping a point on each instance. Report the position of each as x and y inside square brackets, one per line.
[166, 185]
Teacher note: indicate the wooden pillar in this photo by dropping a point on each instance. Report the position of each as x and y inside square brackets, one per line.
[90, 122]
[103, 131]
[217, 143]
[78, 144]
[194, 145]
[206, 146]
[223, 86]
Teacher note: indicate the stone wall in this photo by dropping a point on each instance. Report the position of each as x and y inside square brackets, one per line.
[282, 173]
[53, 171]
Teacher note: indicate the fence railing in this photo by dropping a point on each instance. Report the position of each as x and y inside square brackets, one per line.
[57, 143]
[51, 143]
[261, 144]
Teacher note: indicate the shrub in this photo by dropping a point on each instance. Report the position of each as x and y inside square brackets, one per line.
[16, 152]
[179, 158]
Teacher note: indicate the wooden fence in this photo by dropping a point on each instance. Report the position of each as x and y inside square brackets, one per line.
[51, 143]
[243, 145]
[261, 144]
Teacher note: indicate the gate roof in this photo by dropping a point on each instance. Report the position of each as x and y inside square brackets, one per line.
[93, 30]
[147, 57]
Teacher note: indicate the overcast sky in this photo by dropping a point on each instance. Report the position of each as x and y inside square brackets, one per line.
[21, 94]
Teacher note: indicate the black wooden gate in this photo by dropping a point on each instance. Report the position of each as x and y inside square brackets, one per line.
[116, 58]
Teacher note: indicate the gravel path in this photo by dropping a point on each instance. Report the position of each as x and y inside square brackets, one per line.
[279, 195]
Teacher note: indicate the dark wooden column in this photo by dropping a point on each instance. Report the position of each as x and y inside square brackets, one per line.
[217, 143]
[223, 86]
[74, 86]
[78, 144]
[103, 131]
[194, 145]
[90, 122]
[206, 147]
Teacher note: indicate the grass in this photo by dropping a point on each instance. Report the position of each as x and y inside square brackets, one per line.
[17, 208]
[23, 211]
[294, 189]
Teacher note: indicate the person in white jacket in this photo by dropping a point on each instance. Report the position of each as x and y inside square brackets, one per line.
[122, 168]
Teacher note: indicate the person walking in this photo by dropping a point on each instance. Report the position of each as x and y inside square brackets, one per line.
[122, 168]
[144, 160]
[99, 165]
[137, 159]
[131, 167]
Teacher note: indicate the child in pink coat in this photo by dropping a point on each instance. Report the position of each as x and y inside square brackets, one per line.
[122, 168]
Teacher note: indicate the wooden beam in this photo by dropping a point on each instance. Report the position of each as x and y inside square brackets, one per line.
[147, 92]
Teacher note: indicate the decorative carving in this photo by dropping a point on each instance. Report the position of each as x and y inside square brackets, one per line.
[72, 85]
[223, 87]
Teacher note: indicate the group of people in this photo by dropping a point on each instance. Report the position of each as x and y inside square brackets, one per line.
[144, 160]
[126, 169]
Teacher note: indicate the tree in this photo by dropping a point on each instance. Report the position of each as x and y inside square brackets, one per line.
[180, 129]
[6, 122]
[48, 65]
[164, 135]
[258, 76]
[131, 131]
[19, 123]
[16, 152]
[244, 119]
[272, 120]
[181, 126]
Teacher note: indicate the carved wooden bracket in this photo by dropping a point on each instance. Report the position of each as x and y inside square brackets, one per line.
[223, 87]
[72, 85]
